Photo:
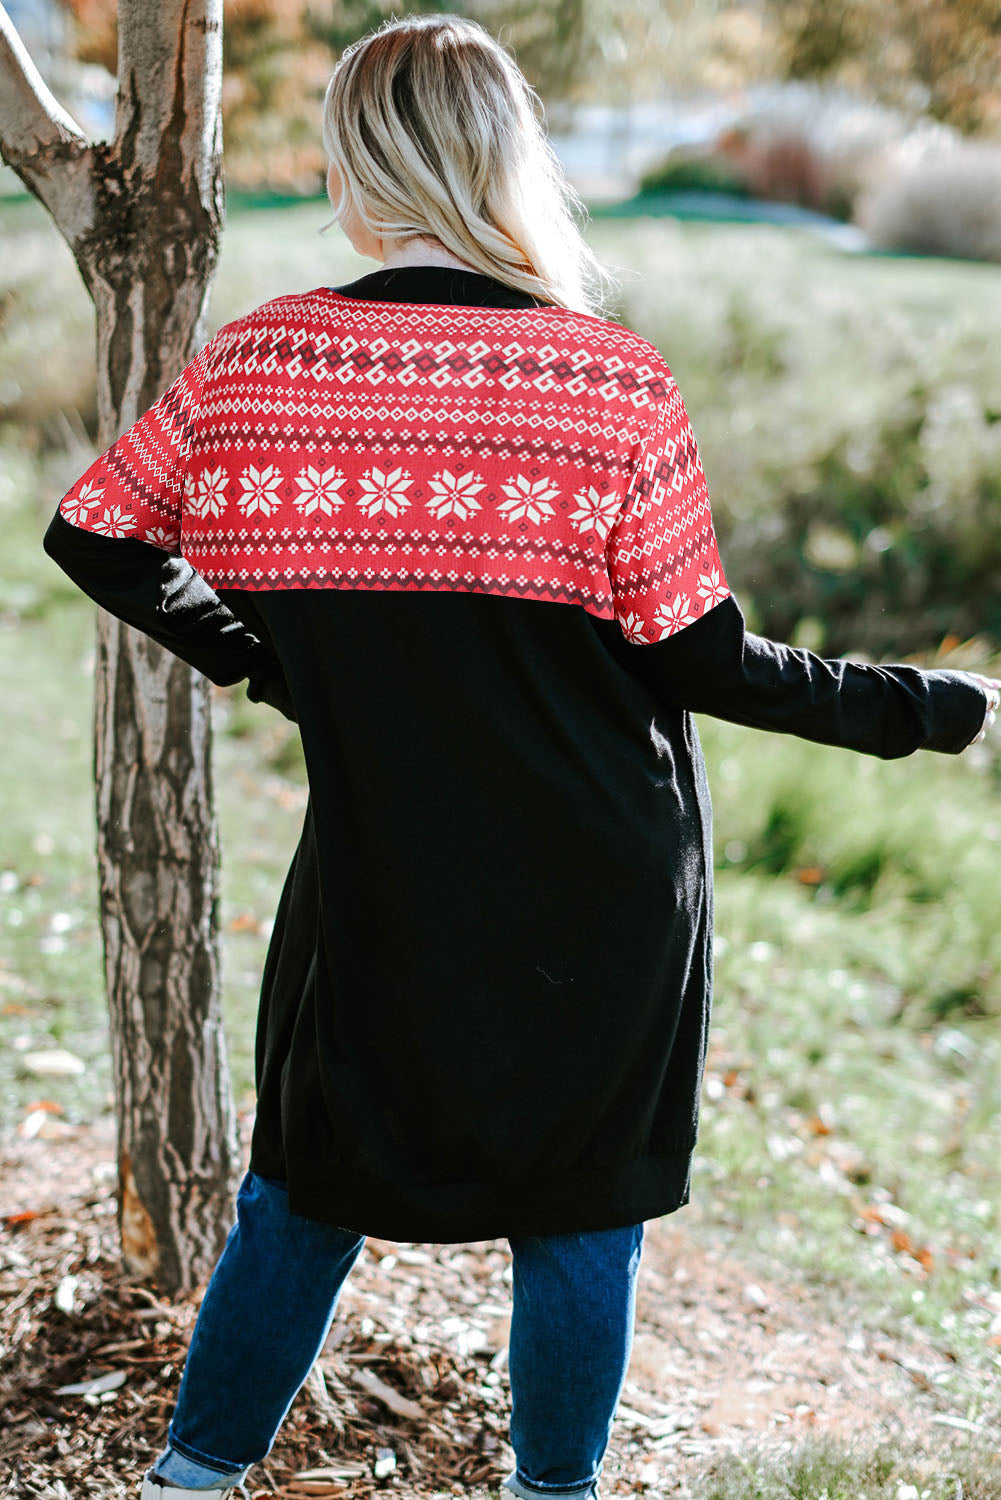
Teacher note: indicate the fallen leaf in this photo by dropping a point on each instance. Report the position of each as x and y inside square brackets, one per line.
[96, 1387]
[346, 1470]
[65, 1293]
[307, 1488]
[245, 921]
[25, 1217]
[32, 1123]
[385, 1463]
[401, 1405]
[55, 1062]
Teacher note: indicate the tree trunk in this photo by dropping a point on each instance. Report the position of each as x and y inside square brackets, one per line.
[158, 864]
[142, 215]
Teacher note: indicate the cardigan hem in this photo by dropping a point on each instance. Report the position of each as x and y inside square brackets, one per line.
[598, 1198]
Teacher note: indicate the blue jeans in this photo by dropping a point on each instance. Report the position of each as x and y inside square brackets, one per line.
[268, 1309]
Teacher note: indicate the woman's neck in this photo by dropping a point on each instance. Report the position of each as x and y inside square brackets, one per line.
[423, 252]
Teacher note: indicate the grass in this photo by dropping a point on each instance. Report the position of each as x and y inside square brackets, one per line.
[852, 1116]
[826, 1468]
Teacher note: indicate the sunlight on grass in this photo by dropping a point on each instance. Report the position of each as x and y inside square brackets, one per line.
[829, 1468]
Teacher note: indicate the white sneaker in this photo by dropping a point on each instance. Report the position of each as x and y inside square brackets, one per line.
[159, 1489]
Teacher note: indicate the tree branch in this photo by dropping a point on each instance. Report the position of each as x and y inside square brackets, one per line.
[40, 140]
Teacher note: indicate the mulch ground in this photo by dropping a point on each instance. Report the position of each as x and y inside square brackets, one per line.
[411, 1394]
[71, 1317]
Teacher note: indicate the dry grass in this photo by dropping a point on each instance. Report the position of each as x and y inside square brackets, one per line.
[946, 202]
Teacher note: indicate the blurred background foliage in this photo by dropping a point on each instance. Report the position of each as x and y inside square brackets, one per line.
[885, 114]
[940, 58]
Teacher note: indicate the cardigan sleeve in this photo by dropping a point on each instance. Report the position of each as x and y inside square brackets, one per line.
[716, 666]
[683, 633]
[661, 552]
[163, 596]
[135, 488]
[117, 535]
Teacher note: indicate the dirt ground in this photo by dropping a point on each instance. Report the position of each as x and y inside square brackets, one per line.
[413, 1398]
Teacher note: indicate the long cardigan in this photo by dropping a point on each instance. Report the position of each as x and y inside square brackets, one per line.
[463, 539]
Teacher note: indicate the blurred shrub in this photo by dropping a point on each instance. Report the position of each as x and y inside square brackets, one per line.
[891, 545]
[48, 383]
[943, 56]
[687, 171]
[785, 165]
[904, 852]
[942, 203]
[776, 164]
[809, 144]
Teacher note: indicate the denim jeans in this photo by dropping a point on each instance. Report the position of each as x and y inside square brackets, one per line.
[268, 1309]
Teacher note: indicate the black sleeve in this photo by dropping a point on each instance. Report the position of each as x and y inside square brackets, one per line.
[716, 666]
[163, 596]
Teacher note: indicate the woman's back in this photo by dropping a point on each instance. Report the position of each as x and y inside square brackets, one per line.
[497, 1000]
[436, 429]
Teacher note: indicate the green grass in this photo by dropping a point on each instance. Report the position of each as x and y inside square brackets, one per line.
[827, 1468]
[853, 1080]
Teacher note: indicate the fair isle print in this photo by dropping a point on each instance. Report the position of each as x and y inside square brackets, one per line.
[454, 494]
[663, 559]
[322, 441]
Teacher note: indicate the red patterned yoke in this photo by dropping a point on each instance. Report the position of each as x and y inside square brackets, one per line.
[325, 441]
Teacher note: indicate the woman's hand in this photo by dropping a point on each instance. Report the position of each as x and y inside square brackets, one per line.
[992, 687]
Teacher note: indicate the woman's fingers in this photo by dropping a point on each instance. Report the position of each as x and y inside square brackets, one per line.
[992, 687]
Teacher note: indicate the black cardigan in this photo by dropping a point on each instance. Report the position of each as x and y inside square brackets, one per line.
[486, 1003]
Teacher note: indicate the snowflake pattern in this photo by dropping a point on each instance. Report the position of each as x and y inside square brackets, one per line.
[595, 512]
[631, 625]
[526, 499]
[208, 498]
[161, 537]
[78, 509]
[318, 490]
[260, 490]
[711, 588]
[452, 494]
[114, 522]
[501, 495]
[384, 491]
[671, 617]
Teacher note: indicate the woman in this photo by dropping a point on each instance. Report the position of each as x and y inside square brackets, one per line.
[453, 521]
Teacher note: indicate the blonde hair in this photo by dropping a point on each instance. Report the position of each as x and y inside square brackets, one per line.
[433, 130]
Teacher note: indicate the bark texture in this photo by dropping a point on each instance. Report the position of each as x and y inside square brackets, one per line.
[142, 214]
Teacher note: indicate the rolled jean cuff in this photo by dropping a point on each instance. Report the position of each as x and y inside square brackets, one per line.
[189, 1473]
[526, 1491]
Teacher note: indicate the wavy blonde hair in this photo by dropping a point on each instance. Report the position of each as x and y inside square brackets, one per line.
[434, 132]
